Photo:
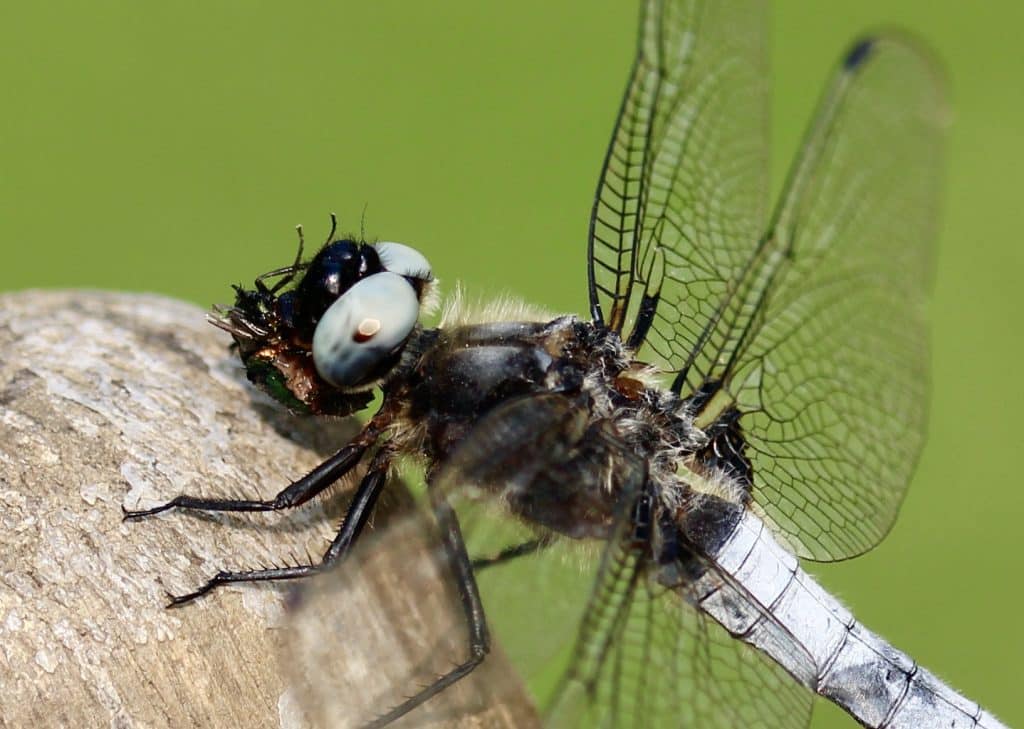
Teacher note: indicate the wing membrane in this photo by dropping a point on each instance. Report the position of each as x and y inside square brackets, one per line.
[644, 657]
[814, 329]
[824, 348]
[383, 624]
[686, 170]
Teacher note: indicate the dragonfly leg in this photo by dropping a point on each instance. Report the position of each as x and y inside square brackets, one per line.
[295, 494]
[351, 527]
[510, 553]
[472, 606]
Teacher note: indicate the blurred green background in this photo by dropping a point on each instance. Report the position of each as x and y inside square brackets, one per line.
[172, 148]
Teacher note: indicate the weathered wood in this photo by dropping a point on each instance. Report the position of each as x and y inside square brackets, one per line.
[114, 399]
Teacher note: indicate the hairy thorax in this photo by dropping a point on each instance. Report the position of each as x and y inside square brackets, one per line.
[618, 430]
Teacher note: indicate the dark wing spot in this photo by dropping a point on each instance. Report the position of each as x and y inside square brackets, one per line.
[860, 52]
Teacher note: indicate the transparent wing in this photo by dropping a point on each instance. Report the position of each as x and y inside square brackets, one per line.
[686, 172]
[813, 330]
[822, 345]
[385, 623]
[646, 657]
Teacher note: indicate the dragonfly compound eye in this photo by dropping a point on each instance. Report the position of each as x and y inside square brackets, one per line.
[403, 260]
[360, 333]
[332, 271]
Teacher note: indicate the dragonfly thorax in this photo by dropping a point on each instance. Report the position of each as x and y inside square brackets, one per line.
[602, 425]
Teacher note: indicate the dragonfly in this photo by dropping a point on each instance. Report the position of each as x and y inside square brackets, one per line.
[634, 490]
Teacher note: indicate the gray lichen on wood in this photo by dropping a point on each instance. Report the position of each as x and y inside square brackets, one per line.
[113, 399]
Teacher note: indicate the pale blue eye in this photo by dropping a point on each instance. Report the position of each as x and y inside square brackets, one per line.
[368, 323]
[404, 260]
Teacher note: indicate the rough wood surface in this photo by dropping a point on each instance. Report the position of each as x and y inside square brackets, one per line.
[114, 399]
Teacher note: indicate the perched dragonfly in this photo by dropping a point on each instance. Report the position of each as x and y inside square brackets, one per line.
[636, 488]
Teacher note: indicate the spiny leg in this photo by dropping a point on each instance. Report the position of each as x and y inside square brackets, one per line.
[351, 527]
[472, 607]
[295, 494]
[511, 553]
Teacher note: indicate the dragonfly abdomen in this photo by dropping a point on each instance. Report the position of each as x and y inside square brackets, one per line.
[761, 595]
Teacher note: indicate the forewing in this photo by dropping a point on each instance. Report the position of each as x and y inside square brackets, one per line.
[815, 329]
[685, 172]
[825, 350]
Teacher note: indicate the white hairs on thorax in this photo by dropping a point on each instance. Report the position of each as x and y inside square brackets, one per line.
[459, 311]
[430, 298]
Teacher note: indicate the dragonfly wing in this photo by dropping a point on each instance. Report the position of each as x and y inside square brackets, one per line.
[383, 624]
[823, 345]
[646, 656]
[812, 326]
[686, 173]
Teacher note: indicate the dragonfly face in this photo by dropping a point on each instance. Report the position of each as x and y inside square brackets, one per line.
[329, 328]
[738, 359]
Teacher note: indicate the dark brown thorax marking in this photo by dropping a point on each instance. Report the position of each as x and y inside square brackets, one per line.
[629, 387]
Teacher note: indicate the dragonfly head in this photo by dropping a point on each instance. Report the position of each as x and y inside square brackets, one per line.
[318, 335]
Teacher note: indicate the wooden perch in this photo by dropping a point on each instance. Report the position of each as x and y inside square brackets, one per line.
[114, 399]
